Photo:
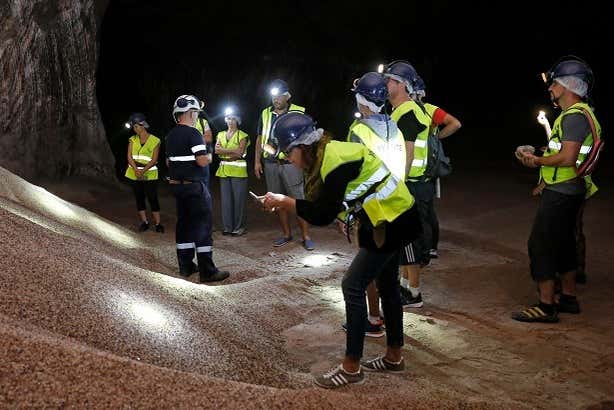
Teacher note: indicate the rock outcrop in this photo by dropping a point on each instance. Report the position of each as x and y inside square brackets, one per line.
[50, 125]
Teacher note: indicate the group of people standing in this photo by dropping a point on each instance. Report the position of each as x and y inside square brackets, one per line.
[374, 185]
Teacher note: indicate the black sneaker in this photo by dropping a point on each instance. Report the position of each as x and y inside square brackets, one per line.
[380, 364]
[144, 226]
[568, 304]
[412, 301]
[433, 254]
[371, 330]
[159, 228]
[536, 314]
[338, 377]
[216, 277]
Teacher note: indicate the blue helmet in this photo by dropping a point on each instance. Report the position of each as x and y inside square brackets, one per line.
[419, 84]
[279, 87]
[137, 118]
[290, 127]
[570, 66]
[372, 86]
[402, 71]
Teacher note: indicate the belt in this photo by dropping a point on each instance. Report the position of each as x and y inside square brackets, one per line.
[181, 182]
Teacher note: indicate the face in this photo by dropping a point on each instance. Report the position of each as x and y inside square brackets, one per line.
[231, 122]
[295, 156]
[556, 91]
[280, 102]
[395, 87]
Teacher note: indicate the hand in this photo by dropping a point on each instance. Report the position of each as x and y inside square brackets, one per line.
[538, 189]
[529, 160]
[139, 174]
[218, 146]
[258, 168]
[342, 227]
[273, 201]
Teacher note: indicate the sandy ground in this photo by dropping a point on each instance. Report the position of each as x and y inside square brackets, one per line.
[93, 314]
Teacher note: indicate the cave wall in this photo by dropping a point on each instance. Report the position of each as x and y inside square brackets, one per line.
[50, 125]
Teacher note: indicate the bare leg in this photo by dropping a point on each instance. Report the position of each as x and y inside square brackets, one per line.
[156, 216]
[283, 222]
[393, 354]
[304, 228]
[546, 291]
[414, 275]
[373, 299]
[350, 364]
[568, 283]
[143, 216]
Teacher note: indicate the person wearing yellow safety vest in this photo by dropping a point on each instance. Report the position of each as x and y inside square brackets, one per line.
[443, 124]
[142, 171]
[280, 175]
[202, 125]
[231, 146]
[353, 184]
[414, 123]
[381, 135]
[552, 244]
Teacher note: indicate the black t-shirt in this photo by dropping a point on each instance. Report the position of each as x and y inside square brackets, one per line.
[327, 206]
[410, 126]
[183, 144]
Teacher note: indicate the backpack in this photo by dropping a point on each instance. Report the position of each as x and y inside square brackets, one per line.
[590, 162]
[437, 163]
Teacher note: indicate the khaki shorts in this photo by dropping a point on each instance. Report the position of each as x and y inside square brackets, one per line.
[284, 179]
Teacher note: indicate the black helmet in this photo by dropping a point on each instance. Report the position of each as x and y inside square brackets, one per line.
[570, 66]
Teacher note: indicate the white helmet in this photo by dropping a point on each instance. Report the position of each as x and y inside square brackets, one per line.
[186, 103]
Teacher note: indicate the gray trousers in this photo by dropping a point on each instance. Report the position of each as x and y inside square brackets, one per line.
[234, 197]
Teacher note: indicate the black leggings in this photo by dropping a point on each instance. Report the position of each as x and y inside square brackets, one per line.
[147, 189]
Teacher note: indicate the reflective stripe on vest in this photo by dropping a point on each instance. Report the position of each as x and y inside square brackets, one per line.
[554, 175]
[390, 150]
[418, 165]
[382, 195]
[267, 121]
[235, 168]
[142, 155]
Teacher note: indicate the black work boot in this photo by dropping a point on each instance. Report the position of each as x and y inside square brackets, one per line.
[215, 277]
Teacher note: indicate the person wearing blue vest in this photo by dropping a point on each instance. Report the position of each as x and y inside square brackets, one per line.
[552, 243]
[414, 123]
[142, 171]
[280, 175]
[231, 147]
[187, 156]
[355, 185]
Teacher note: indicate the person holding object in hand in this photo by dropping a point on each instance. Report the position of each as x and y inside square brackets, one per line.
[350, 182]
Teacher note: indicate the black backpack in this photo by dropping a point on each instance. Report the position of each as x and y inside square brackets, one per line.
[437, 163]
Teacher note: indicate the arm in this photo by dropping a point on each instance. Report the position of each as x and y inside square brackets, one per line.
[154, 159]
[409, 156]
[258, 157]
[450, 125]
[208, 136]
[129, 156]
[566, 157]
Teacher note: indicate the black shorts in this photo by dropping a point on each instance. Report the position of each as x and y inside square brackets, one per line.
[552, 244]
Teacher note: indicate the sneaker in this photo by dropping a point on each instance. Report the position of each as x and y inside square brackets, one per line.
[567, 304]
[535, 314]
[238, 232]
[226, 233]
[159, 228]
[282, 241]
[412, 301]
[308, 244]
[189, 271]
[338, 377]
[380, 364]
[144, 226]
[371, 330]
[216, 277]
[433, 254]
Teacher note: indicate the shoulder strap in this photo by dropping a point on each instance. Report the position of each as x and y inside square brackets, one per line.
[591, 123]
